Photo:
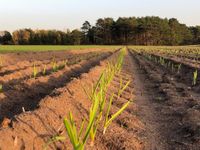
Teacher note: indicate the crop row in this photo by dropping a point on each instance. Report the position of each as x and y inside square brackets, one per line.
[189, 52]
[99, 112]
[172, 66]
[36, 70]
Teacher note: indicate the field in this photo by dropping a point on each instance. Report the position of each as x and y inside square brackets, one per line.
[25, 48]
[110, 97]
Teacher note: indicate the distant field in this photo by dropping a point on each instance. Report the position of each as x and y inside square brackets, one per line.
[188, 50]
[168, 47]
[18, 48]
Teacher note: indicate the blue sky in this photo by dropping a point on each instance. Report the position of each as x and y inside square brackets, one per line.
[63, 14]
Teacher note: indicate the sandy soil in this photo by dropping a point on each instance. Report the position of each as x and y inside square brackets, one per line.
[170, 109]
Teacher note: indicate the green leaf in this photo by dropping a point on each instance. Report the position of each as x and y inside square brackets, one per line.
[116, 114]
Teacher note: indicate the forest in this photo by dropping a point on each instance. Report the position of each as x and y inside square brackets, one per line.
[107, 31]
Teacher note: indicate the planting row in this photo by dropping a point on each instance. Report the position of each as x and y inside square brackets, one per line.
[38, 69]
[26, 94]
[98, 113]
[25, 66]
[183, 52]
[182, 71]
[176, 54]
[174, 106]
[91, 104]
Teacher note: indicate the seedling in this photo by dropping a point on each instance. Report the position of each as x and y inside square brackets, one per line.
[169, 64]
[76, 140]
[179, 68]
[35, 71]
[172, 67]
[122, 88]
[75, 137]
[66, 62]
[61, 66]
[1, 88]
[98, 94]
[44, 70]
[55, 67]
[108, 120]
[54, 139]
[149, 57]
[195, 76]
[98, 100]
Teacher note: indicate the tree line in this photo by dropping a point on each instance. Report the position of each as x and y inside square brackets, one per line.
[107, 31]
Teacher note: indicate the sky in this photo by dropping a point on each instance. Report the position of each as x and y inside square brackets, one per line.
[70, 14]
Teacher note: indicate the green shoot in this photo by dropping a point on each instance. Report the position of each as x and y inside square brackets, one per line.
[98, 99]
[35, 71]
[162, 61]
[99, 96]
[108, 121]
[195, 76]
[122, 88]
[75, 137]
[54, 139]
[1, 88]
[55, 67]
[172, 67]
[61, 66]
[76, 140]
[169, 64]
[179, 68]
[44, 70]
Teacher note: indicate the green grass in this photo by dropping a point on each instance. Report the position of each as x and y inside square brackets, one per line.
[25, 48]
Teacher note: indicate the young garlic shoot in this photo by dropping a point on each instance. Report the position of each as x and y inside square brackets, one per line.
[44, 70]
[98, 94]
[195, 76]
[108, 120]
[172, 67]
[54, 66]
[98, 100]
[35, 71]
[77, 138]
[179, 68]
[1, 88]
[53, 140]
[169, 64]
[122, 88]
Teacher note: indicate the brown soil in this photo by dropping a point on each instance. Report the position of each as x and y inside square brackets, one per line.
[13, 58]
[164, 114]
[26, 92]
[188, 66]
[170, 111]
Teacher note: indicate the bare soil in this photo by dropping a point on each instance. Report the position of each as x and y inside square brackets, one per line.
[171, 109]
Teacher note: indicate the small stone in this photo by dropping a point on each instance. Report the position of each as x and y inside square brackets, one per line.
[5, 123]
[15, 141]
